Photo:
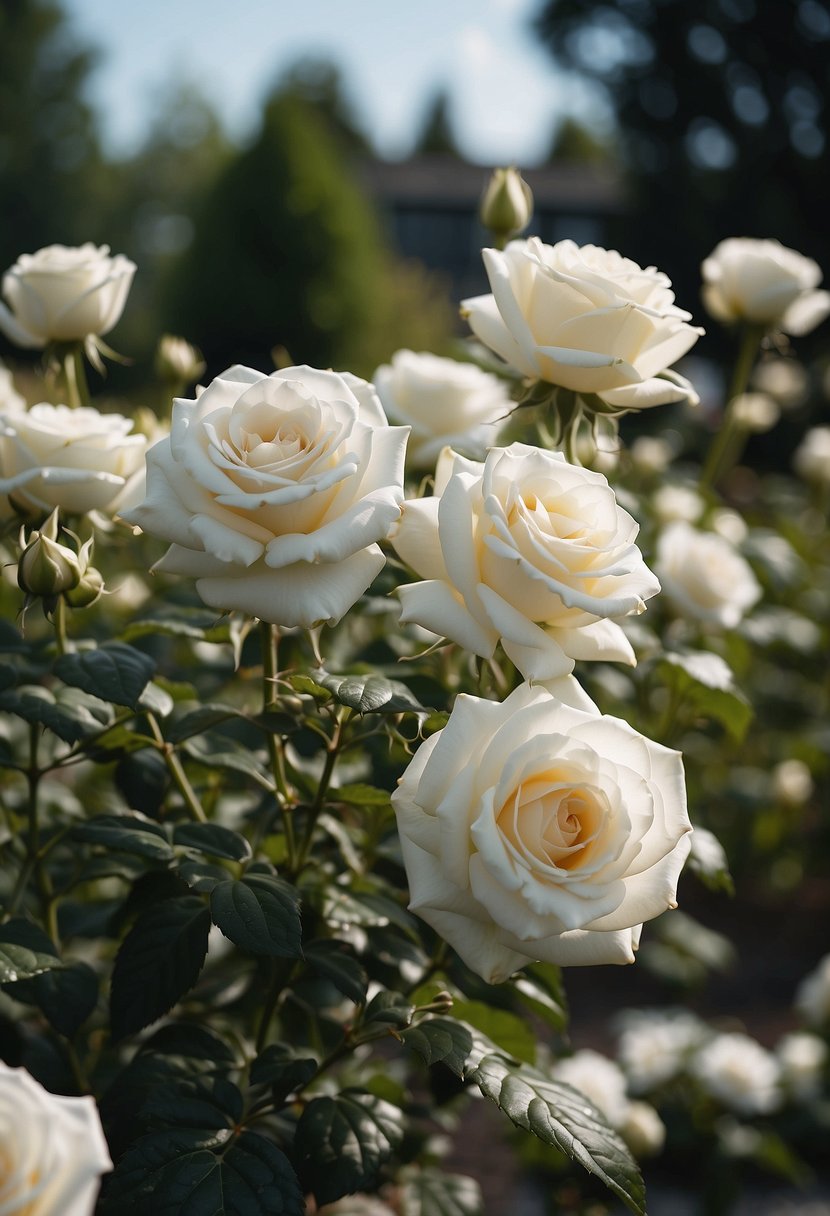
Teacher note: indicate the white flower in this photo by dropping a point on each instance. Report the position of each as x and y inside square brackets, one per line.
[765, 283]
[11, 401]
[730, 525]
[651, 454]
[444, 402]
[585, 319]
[599, 1079]
[802, 1057]
[52, 1149]
[64, 294]
[704, 576]
[812, 998]
[273, 491]
[527, 549]
[643, 1130]
[677, 502]
[655, 1044]
[75, 459]
[738, 1072]
[792, 782]
[532, 830]
[756, 412]
[811, 459]
[784, 379]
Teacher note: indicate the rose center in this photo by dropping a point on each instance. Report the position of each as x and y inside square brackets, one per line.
[553, 822]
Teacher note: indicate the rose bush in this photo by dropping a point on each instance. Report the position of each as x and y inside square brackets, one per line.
[532, 830]
[585, 319]
[273, 491]
[527, 549]
[52, 1149]
[77, 459]
[704, 575]
[64, 294]
[764, 283]
[444, 402]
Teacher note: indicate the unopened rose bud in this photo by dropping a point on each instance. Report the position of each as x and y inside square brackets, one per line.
[47, 568]
[178, 361]
[90, 584]
[506, 205]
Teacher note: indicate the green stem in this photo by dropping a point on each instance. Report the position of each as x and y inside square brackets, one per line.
[280, 976]
[317, 805]
[176, 770]
[59, 622]
[74, 375]
[727, 445]
[269, 638]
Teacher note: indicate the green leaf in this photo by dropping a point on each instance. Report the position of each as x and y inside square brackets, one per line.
[500, 1026]
[213, 839]
[25, 950]
[342, 1142]
[114, 672]
[335, 961]
[392, 1008]
[210, 1102]
[157, 700]
[441, 1041]
[126, 834]
[561, 1116]
[197, 721]
[70, 713]
[285, 1072]
[304, 684]
[259, 913]
[65, 995]
[241, 761]
[202, 875]
[360, 795]
[158, 962]
[371, 694]
[429, 1192]
[142, 780]
[707, 685]
[540, 987]
[191, 1041]
[177, 1173]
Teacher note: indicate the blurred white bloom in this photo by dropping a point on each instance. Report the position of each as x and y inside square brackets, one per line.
[444, 402]
[643, 1130]
[177, 360]
[812, 998]
[784, 379]
[704, 576]
[655, 1044]
[811, 459]
[738, 1072]
[10, 399]
[802, 1057]
[356, 1205]
[599, 1079]
[677, 502]
[792, 782]
[764, 283]
[730, 525]
[651, 454]
[755, 412]
[64, 294]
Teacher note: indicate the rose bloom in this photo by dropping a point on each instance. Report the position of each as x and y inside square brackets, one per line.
[812, 998]
[655, 1043]
[739, 1073]
[273, 491]
[76, 459]
[599, 1079]
[643, 1130]
[811, 459]
[52, 1149]
[444, 402]
[584, 319]
[532, 830]
[10, 399]
[802, 1058]
[527, 549]
[704, 576]
[764, 283]
[64, 294]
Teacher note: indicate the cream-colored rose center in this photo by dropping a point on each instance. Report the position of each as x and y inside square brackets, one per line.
[7, 1178]
[554, 821]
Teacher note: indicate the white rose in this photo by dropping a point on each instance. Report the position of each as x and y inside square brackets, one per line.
[740, 1073]
[802, 1058]
[52, 1149]
[75, 459]
[273, 491]
[654, 1044]
[812, 998]
[765, 283]
[585, 319]
[643, 1130]
[651, 454]
[64, 294]
[811, 459]
[599, 1079]
[792, 782]
[677, 502]
[10, 399]
[527, 549]
[704, 576]
[532, 830]
[444, 402]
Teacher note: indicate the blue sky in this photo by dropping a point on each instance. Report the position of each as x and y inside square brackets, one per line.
[505, 92]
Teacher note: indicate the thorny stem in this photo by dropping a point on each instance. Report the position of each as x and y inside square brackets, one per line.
[176, 771]
[269, 637]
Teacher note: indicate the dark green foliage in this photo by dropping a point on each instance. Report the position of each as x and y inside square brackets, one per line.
[343, 1141]
[259, 913]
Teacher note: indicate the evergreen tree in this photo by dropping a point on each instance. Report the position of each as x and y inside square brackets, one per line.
[437, 137]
